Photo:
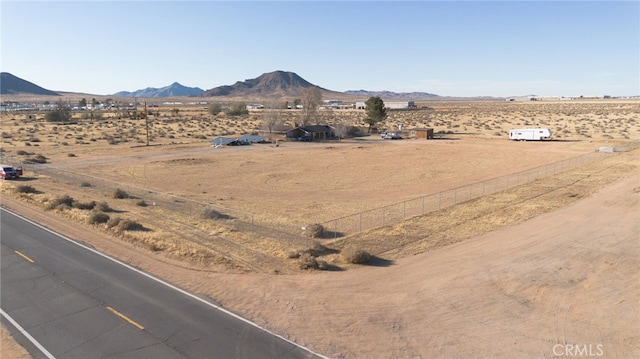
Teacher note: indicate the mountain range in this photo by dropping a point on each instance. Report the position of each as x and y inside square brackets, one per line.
[175, 89]
[274, 84]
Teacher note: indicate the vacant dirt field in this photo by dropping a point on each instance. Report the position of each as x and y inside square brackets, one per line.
[475, 280]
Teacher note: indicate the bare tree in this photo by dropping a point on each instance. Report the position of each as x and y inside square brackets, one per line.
[272, 116]
[311, 99]
[341, 127]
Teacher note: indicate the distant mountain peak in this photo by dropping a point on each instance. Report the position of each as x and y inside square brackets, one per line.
[271, 84]
[13, 85]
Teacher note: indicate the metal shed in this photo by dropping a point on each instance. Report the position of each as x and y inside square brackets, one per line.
[421, 133]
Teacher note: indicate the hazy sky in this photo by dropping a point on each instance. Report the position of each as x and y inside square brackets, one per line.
[449, 48]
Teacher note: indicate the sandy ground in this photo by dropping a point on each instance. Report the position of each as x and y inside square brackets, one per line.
[559, 284]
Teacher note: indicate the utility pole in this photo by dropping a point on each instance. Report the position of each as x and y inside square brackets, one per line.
[146, 118]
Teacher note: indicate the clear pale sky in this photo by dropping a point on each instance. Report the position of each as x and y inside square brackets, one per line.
[449, 48]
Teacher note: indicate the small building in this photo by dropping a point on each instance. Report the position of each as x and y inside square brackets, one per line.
[360, 105]
[400, 105]
[421, 133]
[311, 133]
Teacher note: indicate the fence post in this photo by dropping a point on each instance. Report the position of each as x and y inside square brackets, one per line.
[404, 210]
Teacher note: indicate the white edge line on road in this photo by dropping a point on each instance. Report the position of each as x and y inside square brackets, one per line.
[27, 335]
[164, 283]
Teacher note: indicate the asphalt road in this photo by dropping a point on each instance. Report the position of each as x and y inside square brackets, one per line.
[65, 300]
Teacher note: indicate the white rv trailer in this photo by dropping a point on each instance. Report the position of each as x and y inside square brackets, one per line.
[530, 134]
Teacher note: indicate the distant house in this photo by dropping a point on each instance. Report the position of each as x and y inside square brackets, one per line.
[421, 133]
[360, 105]
[310, 133]
[240, 141]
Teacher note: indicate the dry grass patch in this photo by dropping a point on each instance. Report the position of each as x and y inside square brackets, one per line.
[482, 215]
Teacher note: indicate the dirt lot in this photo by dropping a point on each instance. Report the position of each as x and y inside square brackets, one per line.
[520, 273]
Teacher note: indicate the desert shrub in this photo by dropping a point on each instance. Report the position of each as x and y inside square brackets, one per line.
[307, 261]
[60, 202]
[315, 230]
[141, 203]
[215, 108]
[23, 153]
[238, 109]
[37, 159]
[25, 188]
[317, 249]
[352, 254]
[120, 194]
[130, 225]
[98, 217]
[85, 184]
[84, 205]
[103, 207]
[322, 264]
[210, 213]
[113, 222]
[71, 155]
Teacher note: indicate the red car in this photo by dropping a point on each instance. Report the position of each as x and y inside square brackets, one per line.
[8, 172]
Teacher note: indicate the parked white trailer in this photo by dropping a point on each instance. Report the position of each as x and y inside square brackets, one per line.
[530, 134]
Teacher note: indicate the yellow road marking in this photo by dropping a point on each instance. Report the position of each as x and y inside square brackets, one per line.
[24, 256]
[127, 319]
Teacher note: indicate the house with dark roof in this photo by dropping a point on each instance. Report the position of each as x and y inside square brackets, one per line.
[311, 133]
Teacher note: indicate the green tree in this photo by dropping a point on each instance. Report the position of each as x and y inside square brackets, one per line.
[238, 109]
[375, 110]
[62, 113]
[215, 108]
[82, 103]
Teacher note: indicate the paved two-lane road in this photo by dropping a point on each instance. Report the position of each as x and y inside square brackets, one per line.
[73, 302]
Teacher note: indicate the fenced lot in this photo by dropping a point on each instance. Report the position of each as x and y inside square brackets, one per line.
[293, 232]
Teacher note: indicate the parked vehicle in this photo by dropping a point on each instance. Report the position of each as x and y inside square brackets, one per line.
[8, 172]
[530, 134]
[390, 136]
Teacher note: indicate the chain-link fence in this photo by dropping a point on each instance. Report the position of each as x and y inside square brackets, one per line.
[280, 229]
[401, 211]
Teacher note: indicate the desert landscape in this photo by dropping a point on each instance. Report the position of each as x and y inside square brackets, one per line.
[528, 271]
